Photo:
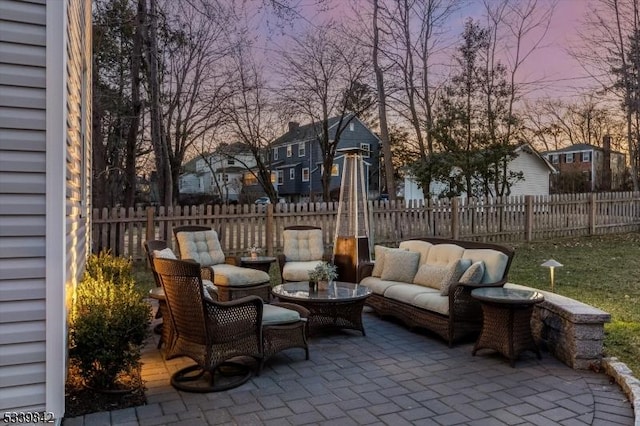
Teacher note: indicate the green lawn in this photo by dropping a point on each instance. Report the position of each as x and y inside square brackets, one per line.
[603, 271]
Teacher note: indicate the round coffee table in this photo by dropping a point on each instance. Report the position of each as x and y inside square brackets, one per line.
[261, 263]
[337, 306]
[506, 325]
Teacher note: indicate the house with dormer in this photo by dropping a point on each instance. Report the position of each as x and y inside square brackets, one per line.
[297, 162]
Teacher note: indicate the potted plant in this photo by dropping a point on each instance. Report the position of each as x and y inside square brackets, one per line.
[254, 252]
[322, 274]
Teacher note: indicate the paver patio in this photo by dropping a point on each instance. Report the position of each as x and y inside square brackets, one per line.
[392, 376]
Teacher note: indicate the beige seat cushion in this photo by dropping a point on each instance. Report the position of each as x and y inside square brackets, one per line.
[377, 285]
[166, 253]
[225, 275]
[298, 271]
[303, 245]
[272, 315]
[495, 263]
[201, 246]
[421, 247]
[419, 296]
[400, 265]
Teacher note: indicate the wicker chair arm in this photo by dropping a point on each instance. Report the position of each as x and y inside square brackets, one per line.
[237, 308]
[304, 312]
[500, 283]
[232, 260]
[282, 259]
[364, 270]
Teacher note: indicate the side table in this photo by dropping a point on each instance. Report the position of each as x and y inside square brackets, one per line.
[506, 324]
[261, 263]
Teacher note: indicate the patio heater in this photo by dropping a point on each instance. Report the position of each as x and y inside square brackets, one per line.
[351, 242]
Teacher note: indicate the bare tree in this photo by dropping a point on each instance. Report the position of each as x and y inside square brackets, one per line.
[611, 40]
[319, 73]
[158, 138]
[415, 29]
[250, 117]
[382, 107]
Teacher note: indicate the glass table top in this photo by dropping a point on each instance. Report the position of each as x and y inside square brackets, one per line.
[334, 291]
[507, 295]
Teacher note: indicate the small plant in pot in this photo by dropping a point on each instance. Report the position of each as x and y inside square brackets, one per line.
[322, 274]
[108, 324]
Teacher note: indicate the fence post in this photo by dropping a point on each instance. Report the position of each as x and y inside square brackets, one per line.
[592, 213]
[151, 231]
[455, 218]
[528, 217]
[269, 228]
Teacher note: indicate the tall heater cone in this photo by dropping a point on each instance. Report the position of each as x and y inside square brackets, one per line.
[351, 243]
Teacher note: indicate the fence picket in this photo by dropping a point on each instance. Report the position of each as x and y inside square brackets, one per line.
[501, 219]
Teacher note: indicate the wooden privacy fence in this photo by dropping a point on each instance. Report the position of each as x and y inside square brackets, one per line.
[500, 219]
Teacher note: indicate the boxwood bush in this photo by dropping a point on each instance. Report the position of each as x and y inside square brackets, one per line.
[109, 322]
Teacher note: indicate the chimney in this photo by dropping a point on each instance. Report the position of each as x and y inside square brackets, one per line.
[606, 163]
[293, 126]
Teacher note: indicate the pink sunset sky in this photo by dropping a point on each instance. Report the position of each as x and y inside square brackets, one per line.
[555, 72]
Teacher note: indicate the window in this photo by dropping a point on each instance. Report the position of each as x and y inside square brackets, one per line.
[301, 149]
[568, 158]
[275, 153]
[555, 158]
[280, 177]
[292, 174]
[366, 150]
[305, 174]
[289, 150]
[335, 171]
[231, 162]
[352, 127]
[586, 157]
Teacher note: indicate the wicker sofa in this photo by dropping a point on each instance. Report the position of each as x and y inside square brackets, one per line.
[427, 282]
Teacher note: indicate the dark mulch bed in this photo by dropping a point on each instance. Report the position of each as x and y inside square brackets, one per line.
[80, 400]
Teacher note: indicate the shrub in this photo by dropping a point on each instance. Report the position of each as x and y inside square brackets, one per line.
[109, 322]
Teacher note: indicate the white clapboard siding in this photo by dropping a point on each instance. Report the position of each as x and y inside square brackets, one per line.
[45, 51]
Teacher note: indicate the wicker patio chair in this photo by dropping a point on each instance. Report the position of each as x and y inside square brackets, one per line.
[212, 334]
[303, 250]
[200, 244]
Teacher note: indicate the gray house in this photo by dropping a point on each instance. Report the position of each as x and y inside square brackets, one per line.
[45, 151]
[296, 158]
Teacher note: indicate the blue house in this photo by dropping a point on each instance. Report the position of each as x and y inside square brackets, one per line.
[296, 158]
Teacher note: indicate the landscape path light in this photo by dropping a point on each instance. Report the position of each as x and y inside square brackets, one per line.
[552, 264]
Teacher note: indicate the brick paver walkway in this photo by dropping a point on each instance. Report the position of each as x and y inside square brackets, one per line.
[393, 376]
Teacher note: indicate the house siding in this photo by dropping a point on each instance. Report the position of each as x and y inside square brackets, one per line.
[45, 57]
[536, 175]
[22, 205]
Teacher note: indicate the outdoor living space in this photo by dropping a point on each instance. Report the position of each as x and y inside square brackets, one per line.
[392, 376]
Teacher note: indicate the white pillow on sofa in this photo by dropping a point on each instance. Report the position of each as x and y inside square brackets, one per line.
[400, 265]
[379, 256]
[441, 277]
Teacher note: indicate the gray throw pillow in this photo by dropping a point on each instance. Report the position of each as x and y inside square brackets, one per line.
[473, 274]
[400, 265]
[455, 271]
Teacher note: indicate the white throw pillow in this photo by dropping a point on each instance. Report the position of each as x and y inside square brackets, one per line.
[431, 275]
[166, 253]
[400, 265]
